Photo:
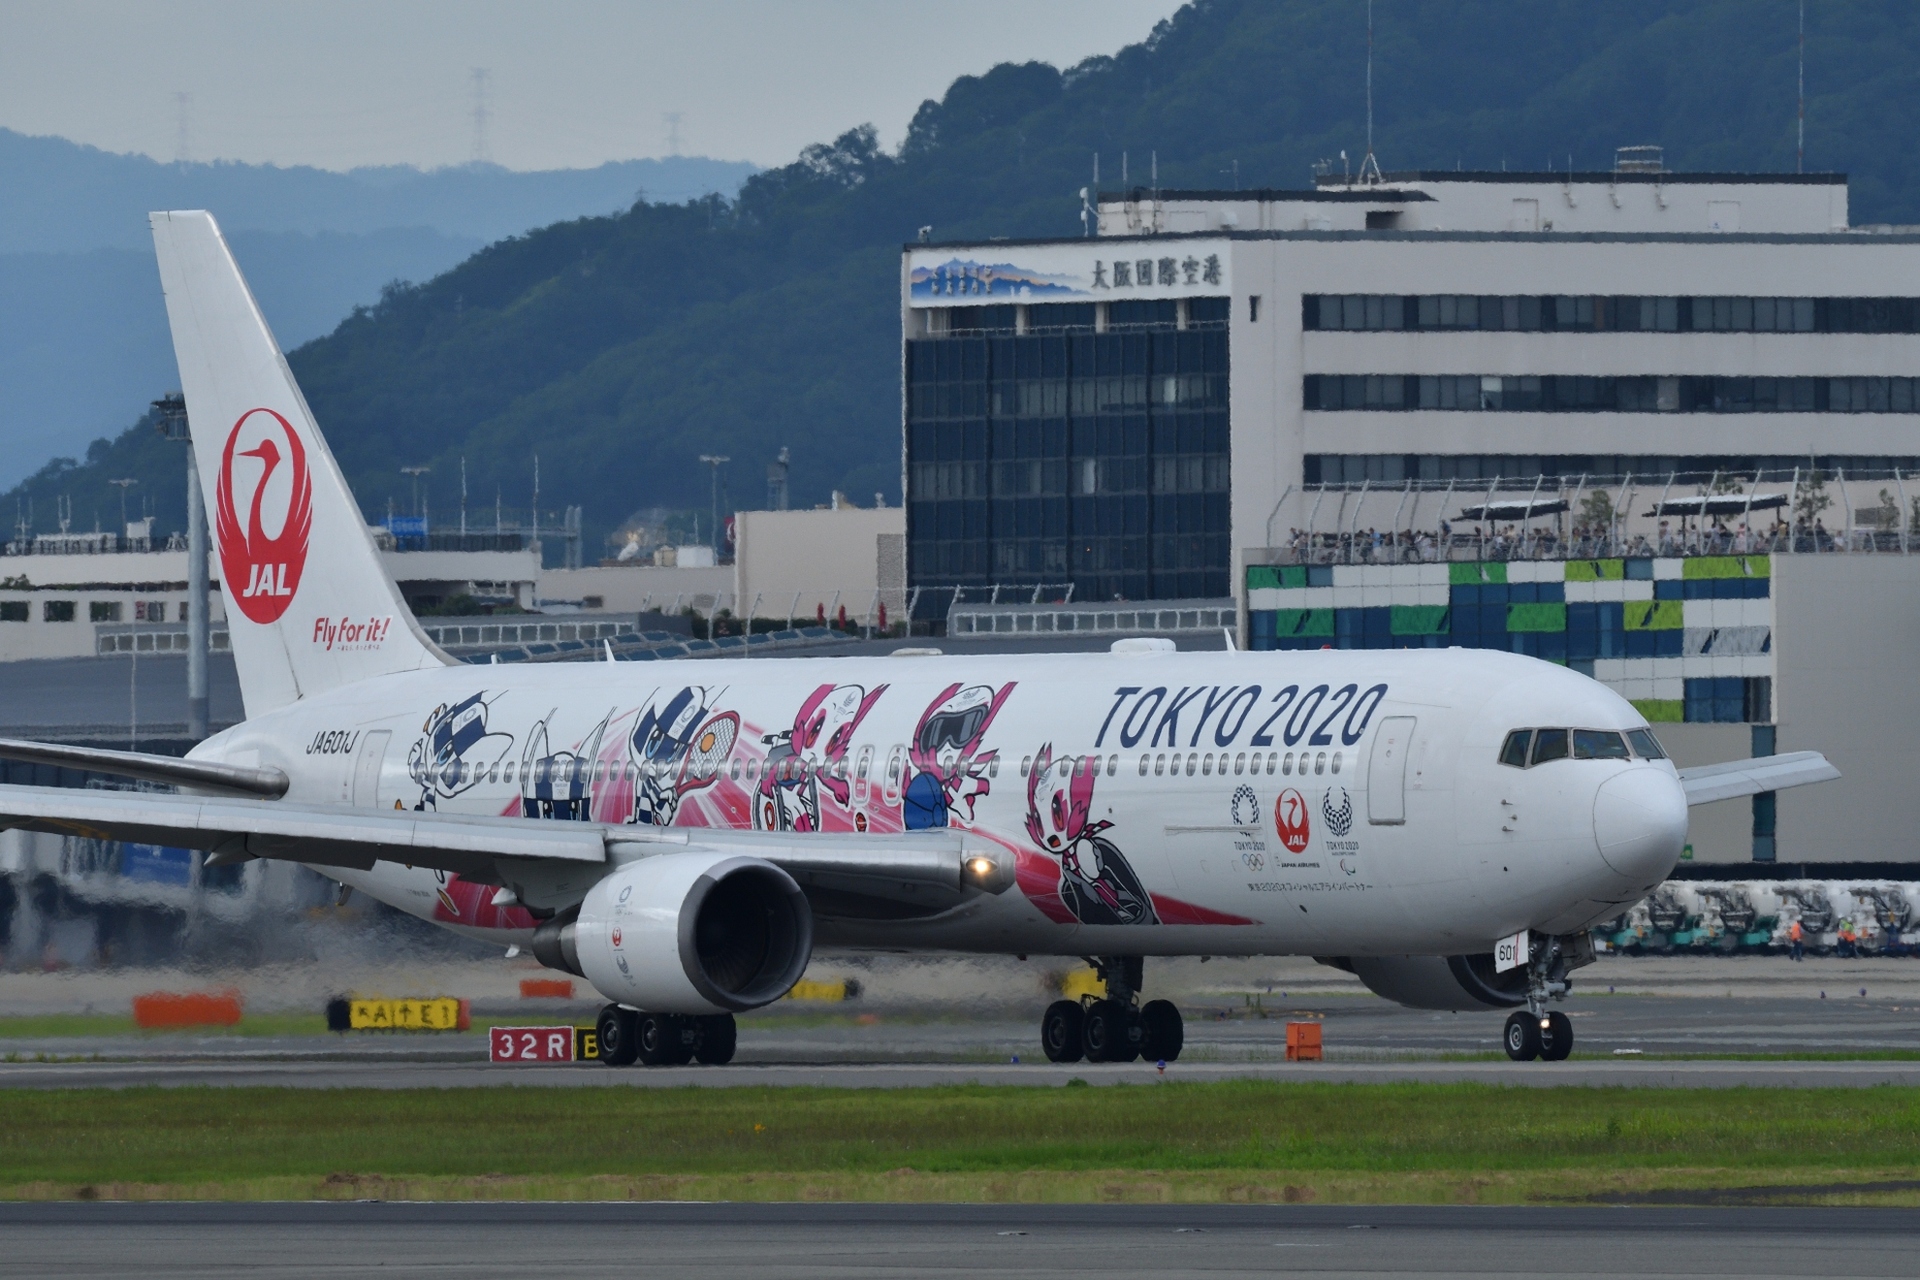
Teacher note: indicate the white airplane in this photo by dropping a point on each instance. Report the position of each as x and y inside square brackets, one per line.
[1445, 824]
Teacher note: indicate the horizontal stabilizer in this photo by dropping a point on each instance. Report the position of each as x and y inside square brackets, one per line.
[1709, 782]
[202, 775]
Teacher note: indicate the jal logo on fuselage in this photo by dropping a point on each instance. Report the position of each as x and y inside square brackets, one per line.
[1290, 821]
[263, 554]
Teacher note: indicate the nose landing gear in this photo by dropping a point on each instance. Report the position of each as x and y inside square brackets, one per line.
[1114, 1029]
[1536, 1031]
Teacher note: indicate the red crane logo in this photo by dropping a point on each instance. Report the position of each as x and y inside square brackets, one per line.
[1290, 820]
[260, 572]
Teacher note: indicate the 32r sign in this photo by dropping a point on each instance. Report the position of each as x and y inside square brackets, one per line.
[530, 1044]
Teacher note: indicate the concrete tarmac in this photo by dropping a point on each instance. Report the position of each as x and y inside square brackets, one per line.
[1619, 1039]
[782, 1241]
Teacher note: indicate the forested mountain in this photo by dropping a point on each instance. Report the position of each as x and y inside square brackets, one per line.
[619, 348]
[83, 331]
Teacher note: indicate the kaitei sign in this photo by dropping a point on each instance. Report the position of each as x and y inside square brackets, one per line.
[268, 550]
[1082, 271]
[351, 633]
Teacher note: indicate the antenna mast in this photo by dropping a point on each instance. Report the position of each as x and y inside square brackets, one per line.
[1370, 167]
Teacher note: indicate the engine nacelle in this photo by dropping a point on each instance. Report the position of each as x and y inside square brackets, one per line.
[687, 933]
[1438, 982]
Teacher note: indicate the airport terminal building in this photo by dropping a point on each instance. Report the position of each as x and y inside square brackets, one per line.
[1658, 426]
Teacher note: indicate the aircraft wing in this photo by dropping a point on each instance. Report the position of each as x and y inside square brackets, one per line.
[1709, 782]
[550, 862]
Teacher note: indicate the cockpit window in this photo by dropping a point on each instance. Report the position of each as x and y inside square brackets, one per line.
[1524, 748]
[1549, 744]
[1598, 744]
[1515, 750]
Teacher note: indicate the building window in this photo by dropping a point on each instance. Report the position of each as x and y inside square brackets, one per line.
[57, 611]
[13, 610]
[1590, 314]
[1481, 393]
[1092, 460]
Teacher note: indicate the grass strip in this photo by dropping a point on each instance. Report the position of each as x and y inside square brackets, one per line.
[1167, 1141]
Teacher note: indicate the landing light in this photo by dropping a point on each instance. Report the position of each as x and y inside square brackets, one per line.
[980, 867]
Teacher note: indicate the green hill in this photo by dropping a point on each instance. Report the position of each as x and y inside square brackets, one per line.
[620, 348]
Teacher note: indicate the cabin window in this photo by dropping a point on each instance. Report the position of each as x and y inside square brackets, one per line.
[507, 774]
[1239, 764]
[1144, 762]
[1026, 763]
[1598, 744]
[993, 767]
[1192, 762]
[1515, 751]
[1645, 745]
[1338, 756]
[1286, 769]
[1549, 744]
[1320, 763]
[734, 770]
[1159, 765]
[1206, 764]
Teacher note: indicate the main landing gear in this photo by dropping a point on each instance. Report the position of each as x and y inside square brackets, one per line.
[1117, 1028]
[628, 1036]
[1536, 1031]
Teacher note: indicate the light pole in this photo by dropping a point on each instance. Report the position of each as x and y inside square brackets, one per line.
[416, 473]
[716, 461]
[123, 485]
[172, 411]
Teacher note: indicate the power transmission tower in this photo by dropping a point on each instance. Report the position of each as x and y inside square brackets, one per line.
[673, 119]
[482, 114]
[182, 106]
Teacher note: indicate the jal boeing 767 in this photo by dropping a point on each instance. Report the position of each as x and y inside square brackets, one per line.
[1446, 824]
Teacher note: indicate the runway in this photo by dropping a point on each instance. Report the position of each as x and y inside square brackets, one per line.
[781, 1241]
[1640, 1040]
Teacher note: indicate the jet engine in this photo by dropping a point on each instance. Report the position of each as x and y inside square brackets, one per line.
[1438, 982]
[692, 932]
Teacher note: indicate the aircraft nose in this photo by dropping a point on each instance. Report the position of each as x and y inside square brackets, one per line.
[1640, 823]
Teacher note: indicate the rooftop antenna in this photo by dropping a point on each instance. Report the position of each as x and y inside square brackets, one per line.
[1800, 151]
[1370, 167]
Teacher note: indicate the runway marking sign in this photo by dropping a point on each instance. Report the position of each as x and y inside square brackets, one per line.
[542, 1044]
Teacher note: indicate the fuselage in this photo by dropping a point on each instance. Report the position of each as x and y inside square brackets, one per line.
[1333, 802]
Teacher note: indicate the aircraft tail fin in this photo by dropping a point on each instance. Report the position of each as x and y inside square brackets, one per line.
[309, 605]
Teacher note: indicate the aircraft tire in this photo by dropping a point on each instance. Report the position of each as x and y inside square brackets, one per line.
[1062, 1031]
[658, 1039]
[1109, 1033]
[717, 1039]
[1522, 1036]
[1162, 1033]
[1556, 1041]
[618, 1031]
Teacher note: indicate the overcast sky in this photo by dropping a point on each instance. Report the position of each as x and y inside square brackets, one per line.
[570, 83]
